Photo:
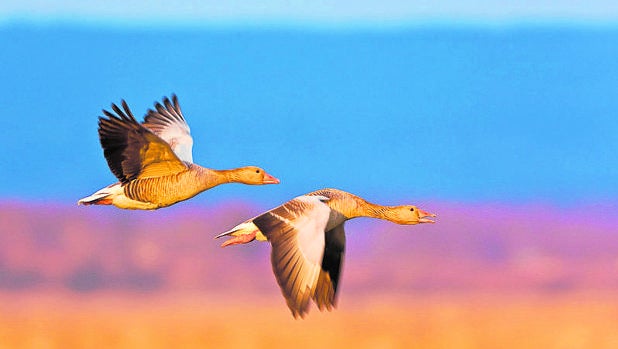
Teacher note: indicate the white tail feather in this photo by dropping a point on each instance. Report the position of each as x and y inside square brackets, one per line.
[100, 194]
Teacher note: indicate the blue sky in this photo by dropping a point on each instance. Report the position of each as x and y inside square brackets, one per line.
[520, 113]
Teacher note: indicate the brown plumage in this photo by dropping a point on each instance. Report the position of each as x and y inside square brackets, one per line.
[308, 241]
[153, 161]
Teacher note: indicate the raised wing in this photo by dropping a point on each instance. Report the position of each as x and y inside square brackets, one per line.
[296, 231]
[131, 150]
[168, 123]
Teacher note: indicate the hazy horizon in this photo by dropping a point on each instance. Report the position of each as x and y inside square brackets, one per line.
[327, 12]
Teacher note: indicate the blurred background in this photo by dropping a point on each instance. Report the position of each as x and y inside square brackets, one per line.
[498, 116]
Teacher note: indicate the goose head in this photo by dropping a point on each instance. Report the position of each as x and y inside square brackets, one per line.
[254, 175]
[409, 215]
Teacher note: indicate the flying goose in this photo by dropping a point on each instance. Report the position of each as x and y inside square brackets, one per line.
[308, 241]
[153, 161]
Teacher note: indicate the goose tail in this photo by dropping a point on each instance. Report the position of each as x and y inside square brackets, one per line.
[101, 197]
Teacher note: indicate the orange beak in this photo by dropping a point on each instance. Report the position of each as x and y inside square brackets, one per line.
[268, 179]
[423, 216]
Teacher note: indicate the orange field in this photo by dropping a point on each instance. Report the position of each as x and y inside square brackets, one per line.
[394, 321]
[505, 277]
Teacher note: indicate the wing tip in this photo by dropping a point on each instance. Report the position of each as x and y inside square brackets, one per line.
[121, 115]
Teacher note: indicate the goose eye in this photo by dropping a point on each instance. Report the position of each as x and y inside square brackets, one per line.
[257, 171]
[411, 209]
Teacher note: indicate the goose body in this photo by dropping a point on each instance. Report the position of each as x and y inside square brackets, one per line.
[308, 241]
[153, 161]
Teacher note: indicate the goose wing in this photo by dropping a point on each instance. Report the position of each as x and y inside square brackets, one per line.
[301, 266]
[168, 123]
[325, 295]
[131, 150]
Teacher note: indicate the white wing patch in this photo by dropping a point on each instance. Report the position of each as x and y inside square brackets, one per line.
[168, 123]
[311, 227]
[180, 141]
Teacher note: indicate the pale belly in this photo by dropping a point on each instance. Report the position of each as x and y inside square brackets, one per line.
[121, 201]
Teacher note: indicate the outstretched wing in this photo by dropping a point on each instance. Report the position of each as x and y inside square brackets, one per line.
[131, 150]
[168, 123]
[303, 270]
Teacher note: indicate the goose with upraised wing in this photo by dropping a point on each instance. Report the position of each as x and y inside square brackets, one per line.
[153, 160]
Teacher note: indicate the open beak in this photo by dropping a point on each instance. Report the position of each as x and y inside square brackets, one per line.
[268, 179]
[423, 216]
